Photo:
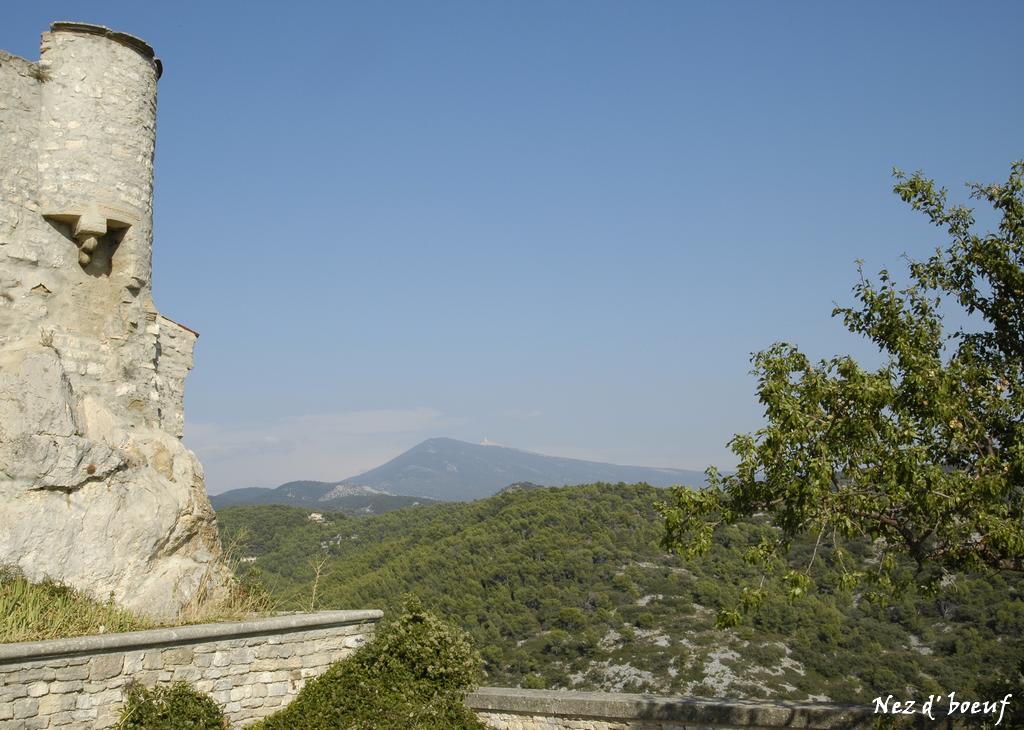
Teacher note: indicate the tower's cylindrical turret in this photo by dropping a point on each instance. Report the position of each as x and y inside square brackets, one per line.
[98, 134]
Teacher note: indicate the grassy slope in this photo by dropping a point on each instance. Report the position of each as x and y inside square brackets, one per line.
[34, 612]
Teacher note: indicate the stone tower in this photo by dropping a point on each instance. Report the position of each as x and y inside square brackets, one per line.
[96, 488]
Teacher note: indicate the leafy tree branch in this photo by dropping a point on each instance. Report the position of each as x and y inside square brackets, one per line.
[925, 454]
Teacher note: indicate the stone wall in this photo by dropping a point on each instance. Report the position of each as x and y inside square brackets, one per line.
[523, 709]
[96, 488]
[250, 668]
[176, 342]
[253, 668]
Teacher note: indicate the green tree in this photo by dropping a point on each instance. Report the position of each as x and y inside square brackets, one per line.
[923, 455]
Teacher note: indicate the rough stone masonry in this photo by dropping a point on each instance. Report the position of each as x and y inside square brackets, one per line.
[250, 668]
[96, 488]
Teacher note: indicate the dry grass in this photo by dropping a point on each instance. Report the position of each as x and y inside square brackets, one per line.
[48, 610]
[240, 600]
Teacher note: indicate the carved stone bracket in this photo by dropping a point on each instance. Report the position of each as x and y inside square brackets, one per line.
[92, 222]
[90, 226]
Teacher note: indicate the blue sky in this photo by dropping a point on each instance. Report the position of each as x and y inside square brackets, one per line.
[559, 226]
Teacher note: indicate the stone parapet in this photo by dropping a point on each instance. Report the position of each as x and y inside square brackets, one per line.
[505, 708]
[250, 668]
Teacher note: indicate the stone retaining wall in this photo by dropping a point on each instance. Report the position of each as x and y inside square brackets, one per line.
[251, 668]
[525, 709]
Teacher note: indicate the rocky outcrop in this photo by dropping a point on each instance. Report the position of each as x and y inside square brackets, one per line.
[96, 488]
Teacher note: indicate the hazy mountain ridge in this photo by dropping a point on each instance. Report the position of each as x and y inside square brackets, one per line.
[352, 500]
[445, 469]
[451, 470]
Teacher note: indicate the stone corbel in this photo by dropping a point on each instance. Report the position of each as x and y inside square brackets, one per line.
[90, 226]
[92, 222]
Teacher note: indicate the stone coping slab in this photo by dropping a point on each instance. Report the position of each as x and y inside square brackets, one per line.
[191, 634]
[137, 44]
[707, 712]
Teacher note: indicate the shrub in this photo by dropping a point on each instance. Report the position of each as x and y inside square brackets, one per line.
[533, 681]
[414, 674]
[169, 707]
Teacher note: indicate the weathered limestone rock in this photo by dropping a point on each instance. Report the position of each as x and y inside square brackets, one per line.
[96, 488]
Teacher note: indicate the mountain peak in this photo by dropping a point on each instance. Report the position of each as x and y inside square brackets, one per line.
[449, 469]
